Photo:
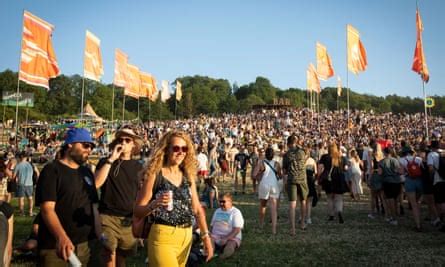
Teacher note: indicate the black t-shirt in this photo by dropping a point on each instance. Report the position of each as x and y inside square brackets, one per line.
[6, 209]
[242, 159]
[74, 192]
[118, 193]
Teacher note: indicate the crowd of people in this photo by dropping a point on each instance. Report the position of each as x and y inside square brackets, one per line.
[170, 171]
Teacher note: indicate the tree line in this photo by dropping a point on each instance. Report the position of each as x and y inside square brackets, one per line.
[201, 95]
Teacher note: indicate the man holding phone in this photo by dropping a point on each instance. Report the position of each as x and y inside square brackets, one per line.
[118, 178]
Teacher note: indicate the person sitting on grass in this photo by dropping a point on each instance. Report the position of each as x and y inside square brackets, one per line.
[30, 246]
[226, 225]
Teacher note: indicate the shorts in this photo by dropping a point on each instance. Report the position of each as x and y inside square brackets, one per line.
[266, 191]
[392, 190]
[217, 239]
[439, 193]
[413, 185]
[204, 173]
[118, 234]
[375, 182]
[87, 252]
[294, 190]
[24, 191]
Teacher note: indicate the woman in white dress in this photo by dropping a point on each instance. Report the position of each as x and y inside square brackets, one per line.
[356, 174]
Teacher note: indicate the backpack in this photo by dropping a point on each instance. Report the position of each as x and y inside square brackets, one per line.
[413, 168]
[441, 169]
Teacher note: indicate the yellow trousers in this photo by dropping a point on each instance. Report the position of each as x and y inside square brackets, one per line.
[168, 246]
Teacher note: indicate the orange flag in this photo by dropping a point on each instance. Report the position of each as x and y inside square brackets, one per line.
[419, 63]
[146, 85]
[324, 65]
[92, 61]
[313, 83]
[133, 81]
[155, 93]
[356, 52]
[38, 61]
[120, 68]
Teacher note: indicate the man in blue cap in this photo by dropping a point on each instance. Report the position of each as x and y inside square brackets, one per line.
[68, 201]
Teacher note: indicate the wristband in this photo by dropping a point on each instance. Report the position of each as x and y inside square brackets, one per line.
[108, 161]
[204, 235]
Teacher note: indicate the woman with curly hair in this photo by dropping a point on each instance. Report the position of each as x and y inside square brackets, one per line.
[169, 193]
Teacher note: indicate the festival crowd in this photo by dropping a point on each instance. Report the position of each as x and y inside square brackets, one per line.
[153, 182]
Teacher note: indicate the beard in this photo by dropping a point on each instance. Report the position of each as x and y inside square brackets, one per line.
[78, 156]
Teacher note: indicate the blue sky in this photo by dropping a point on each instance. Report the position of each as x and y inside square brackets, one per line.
[240, 40]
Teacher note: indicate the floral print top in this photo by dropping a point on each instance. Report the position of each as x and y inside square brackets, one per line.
[182, 213]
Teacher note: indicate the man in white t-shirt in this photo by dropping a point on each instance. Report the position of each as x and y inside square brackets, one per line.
[226, 225]
[203, 165]
[433, 159]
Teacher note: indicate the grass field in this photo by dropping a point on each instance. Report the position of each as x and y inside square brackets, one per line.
[360, 241]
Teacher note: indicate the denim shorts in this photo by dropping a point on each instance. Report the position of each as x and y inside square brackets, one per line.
[413, 185]
[24, 191]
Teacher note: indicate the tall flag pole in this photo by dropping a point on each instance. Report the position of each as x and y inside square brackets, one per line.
[38, 61]
[419, 64]
[313, 83]
[120, 74]
[92, 63]
[356, 59]
[133, 85]
[146, 88]
[324, 70]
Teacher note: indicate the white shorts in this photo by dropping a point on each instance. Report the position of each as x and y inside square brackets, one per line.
[266, 191]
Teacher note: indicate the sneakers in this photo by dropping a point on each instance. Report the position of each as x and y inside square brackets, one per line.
[371, 216]
[309, 221]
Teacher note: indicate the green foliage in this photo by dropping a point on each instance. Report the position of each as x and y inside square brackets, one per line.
[201, 95]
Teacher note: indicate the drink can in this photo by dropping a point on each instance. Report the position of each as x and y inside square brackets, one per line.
[170, 202]
[74, 260]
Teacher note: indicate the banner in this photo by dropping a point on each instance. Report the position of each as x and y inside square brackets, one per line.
[92, 60]
[154, 95]
[419, 62]
[312, 81]
[120, 68]
[165, 91]
[146, 85]
[133, 81]
[38, 61]
[178, 90]
[356, 52]
[9, 98]
[324, 65]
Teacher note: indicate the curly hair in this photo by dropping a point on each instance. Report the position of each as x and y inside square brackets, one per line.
[159, 156]
[335, 154]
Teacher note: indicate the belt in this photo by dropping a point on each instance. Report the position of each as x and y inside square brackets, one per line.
[184, 225]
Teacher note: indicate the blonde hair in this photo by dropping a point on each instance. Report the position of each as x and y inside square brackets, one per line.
[378, 153]
[159, 156]
[335, 154]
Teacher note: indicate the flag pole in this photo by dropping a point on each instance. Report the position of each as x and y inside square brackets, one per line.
[426, 113]
[123, 108]
[318, 111]
[347, 85]
[18, 90]
[112, 106]
[81, 101]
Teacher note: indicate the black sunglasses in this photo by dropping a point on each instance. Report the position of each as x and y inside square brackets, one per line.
[222, 201]
[87, 145]
[177, 149]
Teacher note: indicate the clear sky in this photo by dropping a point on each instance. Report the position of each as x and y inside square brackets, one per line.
[239, 40]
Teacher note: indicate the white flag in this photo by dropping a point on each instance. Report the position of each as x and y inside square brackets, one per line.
[165, 91]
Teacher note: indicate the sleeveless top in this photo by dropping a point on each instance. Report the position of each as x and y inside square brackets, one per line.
[269, 176]
[182, 213]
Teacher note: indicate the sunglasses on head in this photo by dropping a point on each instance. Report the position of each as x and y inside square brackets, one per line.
[125, 140]
[87, 145]
[177, 149]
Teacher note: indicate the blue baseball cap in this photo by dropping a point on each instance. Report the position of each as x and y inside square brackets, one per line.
[78, 135]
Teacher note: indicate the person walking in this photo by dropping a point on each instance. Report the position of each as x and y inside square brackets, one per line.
[117, 176]
[68, 201]
[169, 194]
[294, 168]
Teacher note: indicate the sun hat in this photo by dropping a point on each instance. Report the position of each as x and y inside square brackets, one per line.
[78, 135]
[127, 131]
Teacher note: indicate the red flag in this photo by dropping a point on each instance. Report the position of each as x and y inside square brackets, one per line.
[419, 62]
[38, 61]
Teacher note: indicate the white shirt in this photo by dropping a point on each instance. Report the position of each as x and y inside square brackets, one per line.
[224, 221]
[202, 162]
[433, 160]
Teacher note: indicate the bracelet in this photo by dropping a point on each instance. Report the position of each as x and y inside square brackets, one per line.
[204, 235]
[108, 161]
